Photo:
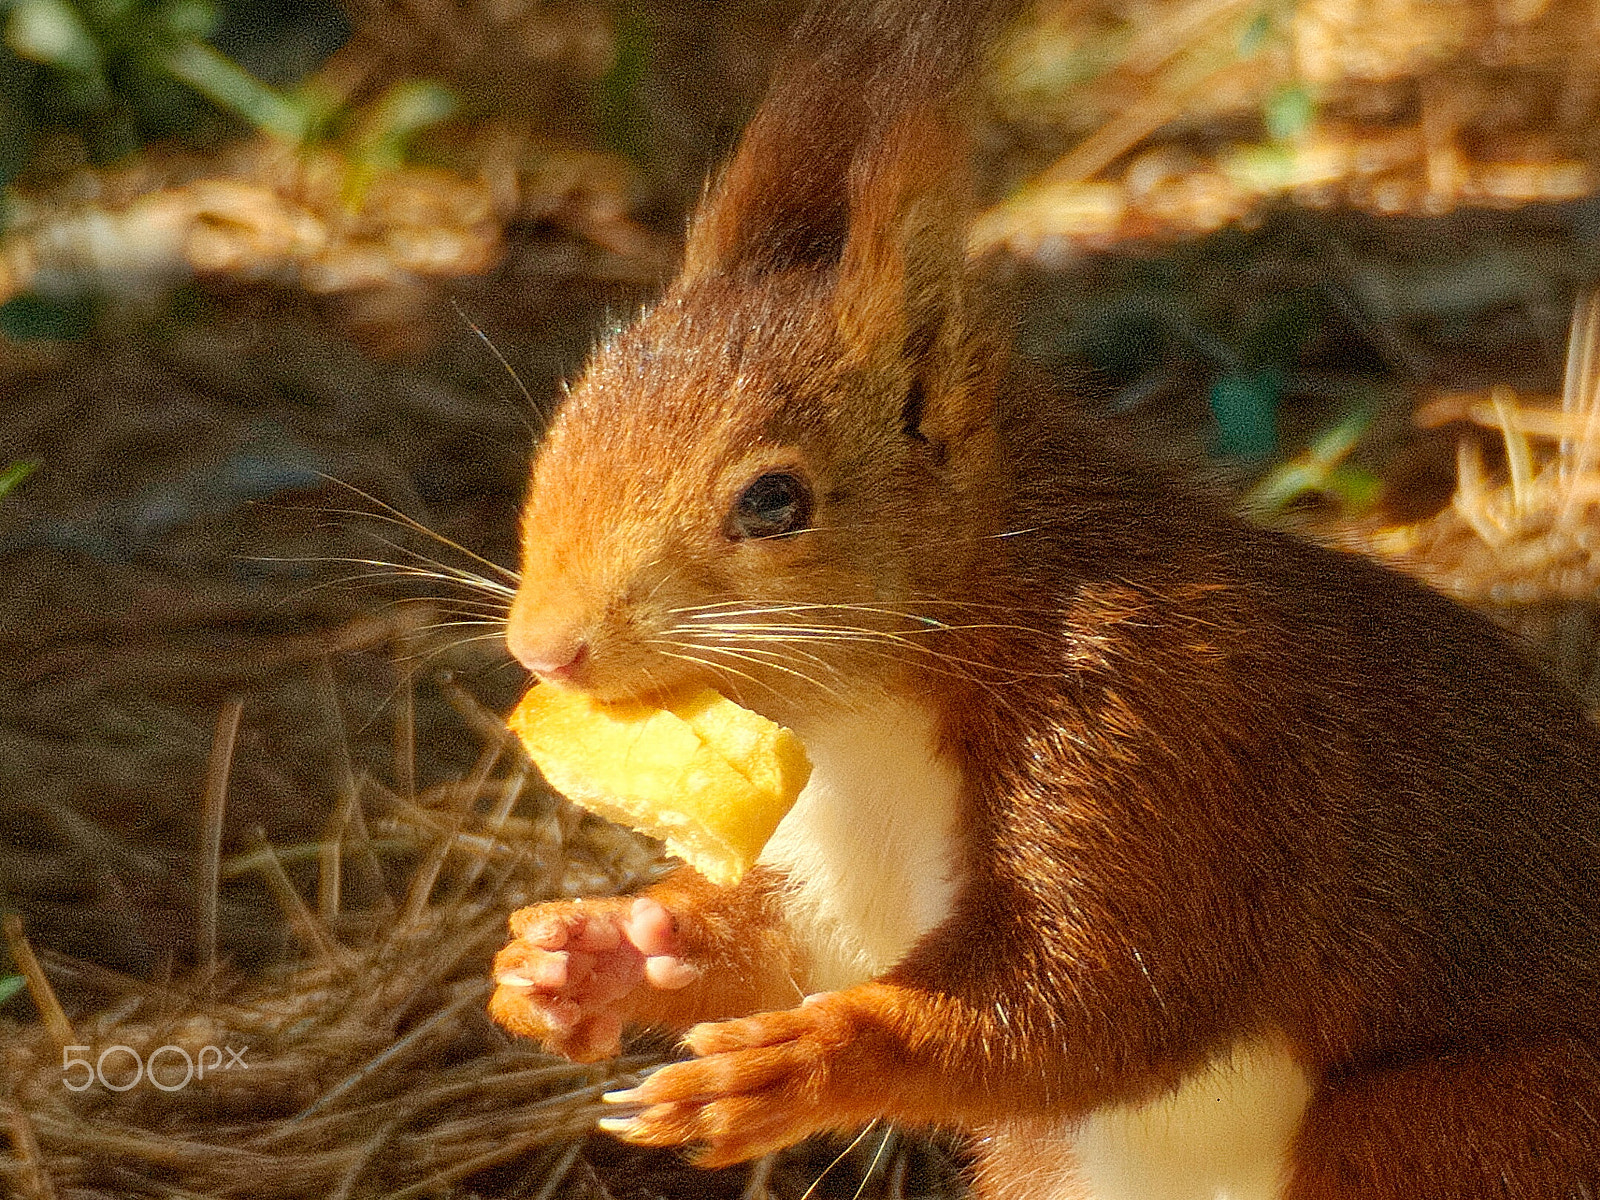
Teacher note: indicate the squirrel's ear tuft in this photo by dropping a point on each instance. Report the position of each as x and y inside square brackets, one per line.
[854, 70]
[783, 201]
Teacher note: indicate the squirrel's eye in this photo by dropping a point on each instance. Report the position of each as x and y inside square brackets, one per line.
[774, 504]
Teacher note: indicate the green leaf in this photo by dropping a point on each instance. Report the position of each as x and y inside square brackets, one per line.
[1255, 33]
[619, 106]
[1289, 112]
[10, 985]
[1320, 468]
[188, 20]
[388, 129]
[1357, 488]
[14, 475]
[52, 32]
[224, 82]
[403, 111]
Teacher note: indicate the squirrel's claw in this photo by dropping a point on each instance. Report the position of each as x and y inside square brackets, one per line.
[760, 1084]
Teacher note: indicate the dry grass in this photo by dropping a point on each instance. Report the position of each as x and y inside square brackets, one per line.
[248, 800]
[1176, 118]
[367, 1065]
[1526, 532]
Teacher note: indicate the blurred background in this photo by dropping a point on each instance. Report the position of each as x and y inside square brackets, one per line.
[285, 291]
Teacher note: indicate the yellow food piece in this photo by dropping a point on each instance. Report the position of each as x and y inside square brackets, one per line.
[709, 778]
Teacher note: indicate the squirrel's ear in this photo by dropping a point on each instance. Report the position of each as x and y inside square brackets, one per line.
[900, 300]
[854, 165]
[902, 263]
[783, 200]
[857, 76]
[852, 70]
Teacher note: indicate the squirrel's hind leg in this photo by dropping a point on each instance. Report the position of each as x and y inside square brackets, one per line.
[1514, 1121]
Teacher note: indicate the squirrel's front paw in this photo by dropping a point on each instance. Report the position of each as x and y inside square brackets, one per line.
[572, 974]
[761, 1083]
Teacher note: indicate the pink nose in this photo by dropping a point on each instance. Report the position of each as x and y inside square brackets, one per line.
[561, 661]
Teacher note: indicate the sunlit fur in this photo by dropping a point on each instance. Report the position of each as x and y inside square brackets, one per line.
[739, 379]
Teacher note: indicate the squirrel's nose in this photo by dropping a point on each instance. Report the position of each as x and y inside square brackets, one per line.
[552, 655]
[561, 659]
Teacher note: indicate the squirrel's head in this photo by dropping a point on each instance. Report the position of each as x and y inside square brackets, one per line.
[773, 481]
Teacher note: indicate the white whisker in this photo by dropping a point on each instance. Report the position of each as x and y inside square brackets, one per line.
[448, 608]
[422, 656]
[395, 515]
[385, 569]
[853, 634]
[877, 1157]
[750, 656]
[460, 574]
[435, 626]
[843, 1154]
[700, 662]
[509, 370]
[746, 608]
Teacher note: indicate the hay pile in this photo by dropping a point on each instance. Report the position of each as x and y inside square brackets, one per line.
[1137, 121]
[1521, 538]
[370, 1067]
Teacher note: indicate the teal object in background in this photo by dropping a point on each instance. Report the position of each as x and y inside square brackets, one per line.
[1245, 406]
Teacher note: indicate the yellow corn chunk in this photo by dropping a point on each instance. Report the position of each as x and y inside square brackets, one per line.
[709, 778]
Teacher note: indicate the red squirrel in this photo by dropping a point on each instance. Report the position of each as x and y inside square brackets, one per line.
[1164, 855]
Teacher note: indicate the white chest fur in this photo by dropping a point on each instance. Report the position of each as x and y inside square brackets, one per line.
[1223, 1134]
[872, 862]
[868, 847]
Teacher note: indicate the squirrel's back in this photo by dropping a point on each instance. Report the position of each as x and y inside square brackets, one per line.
[1395, 801]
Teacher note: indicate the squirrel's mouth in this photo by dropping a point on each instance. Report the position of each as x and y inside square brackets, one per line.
[617, 674]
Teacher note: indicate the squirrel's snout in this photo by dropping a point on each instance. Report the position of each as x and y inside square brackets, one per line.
[559, 657]
[553, 668]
